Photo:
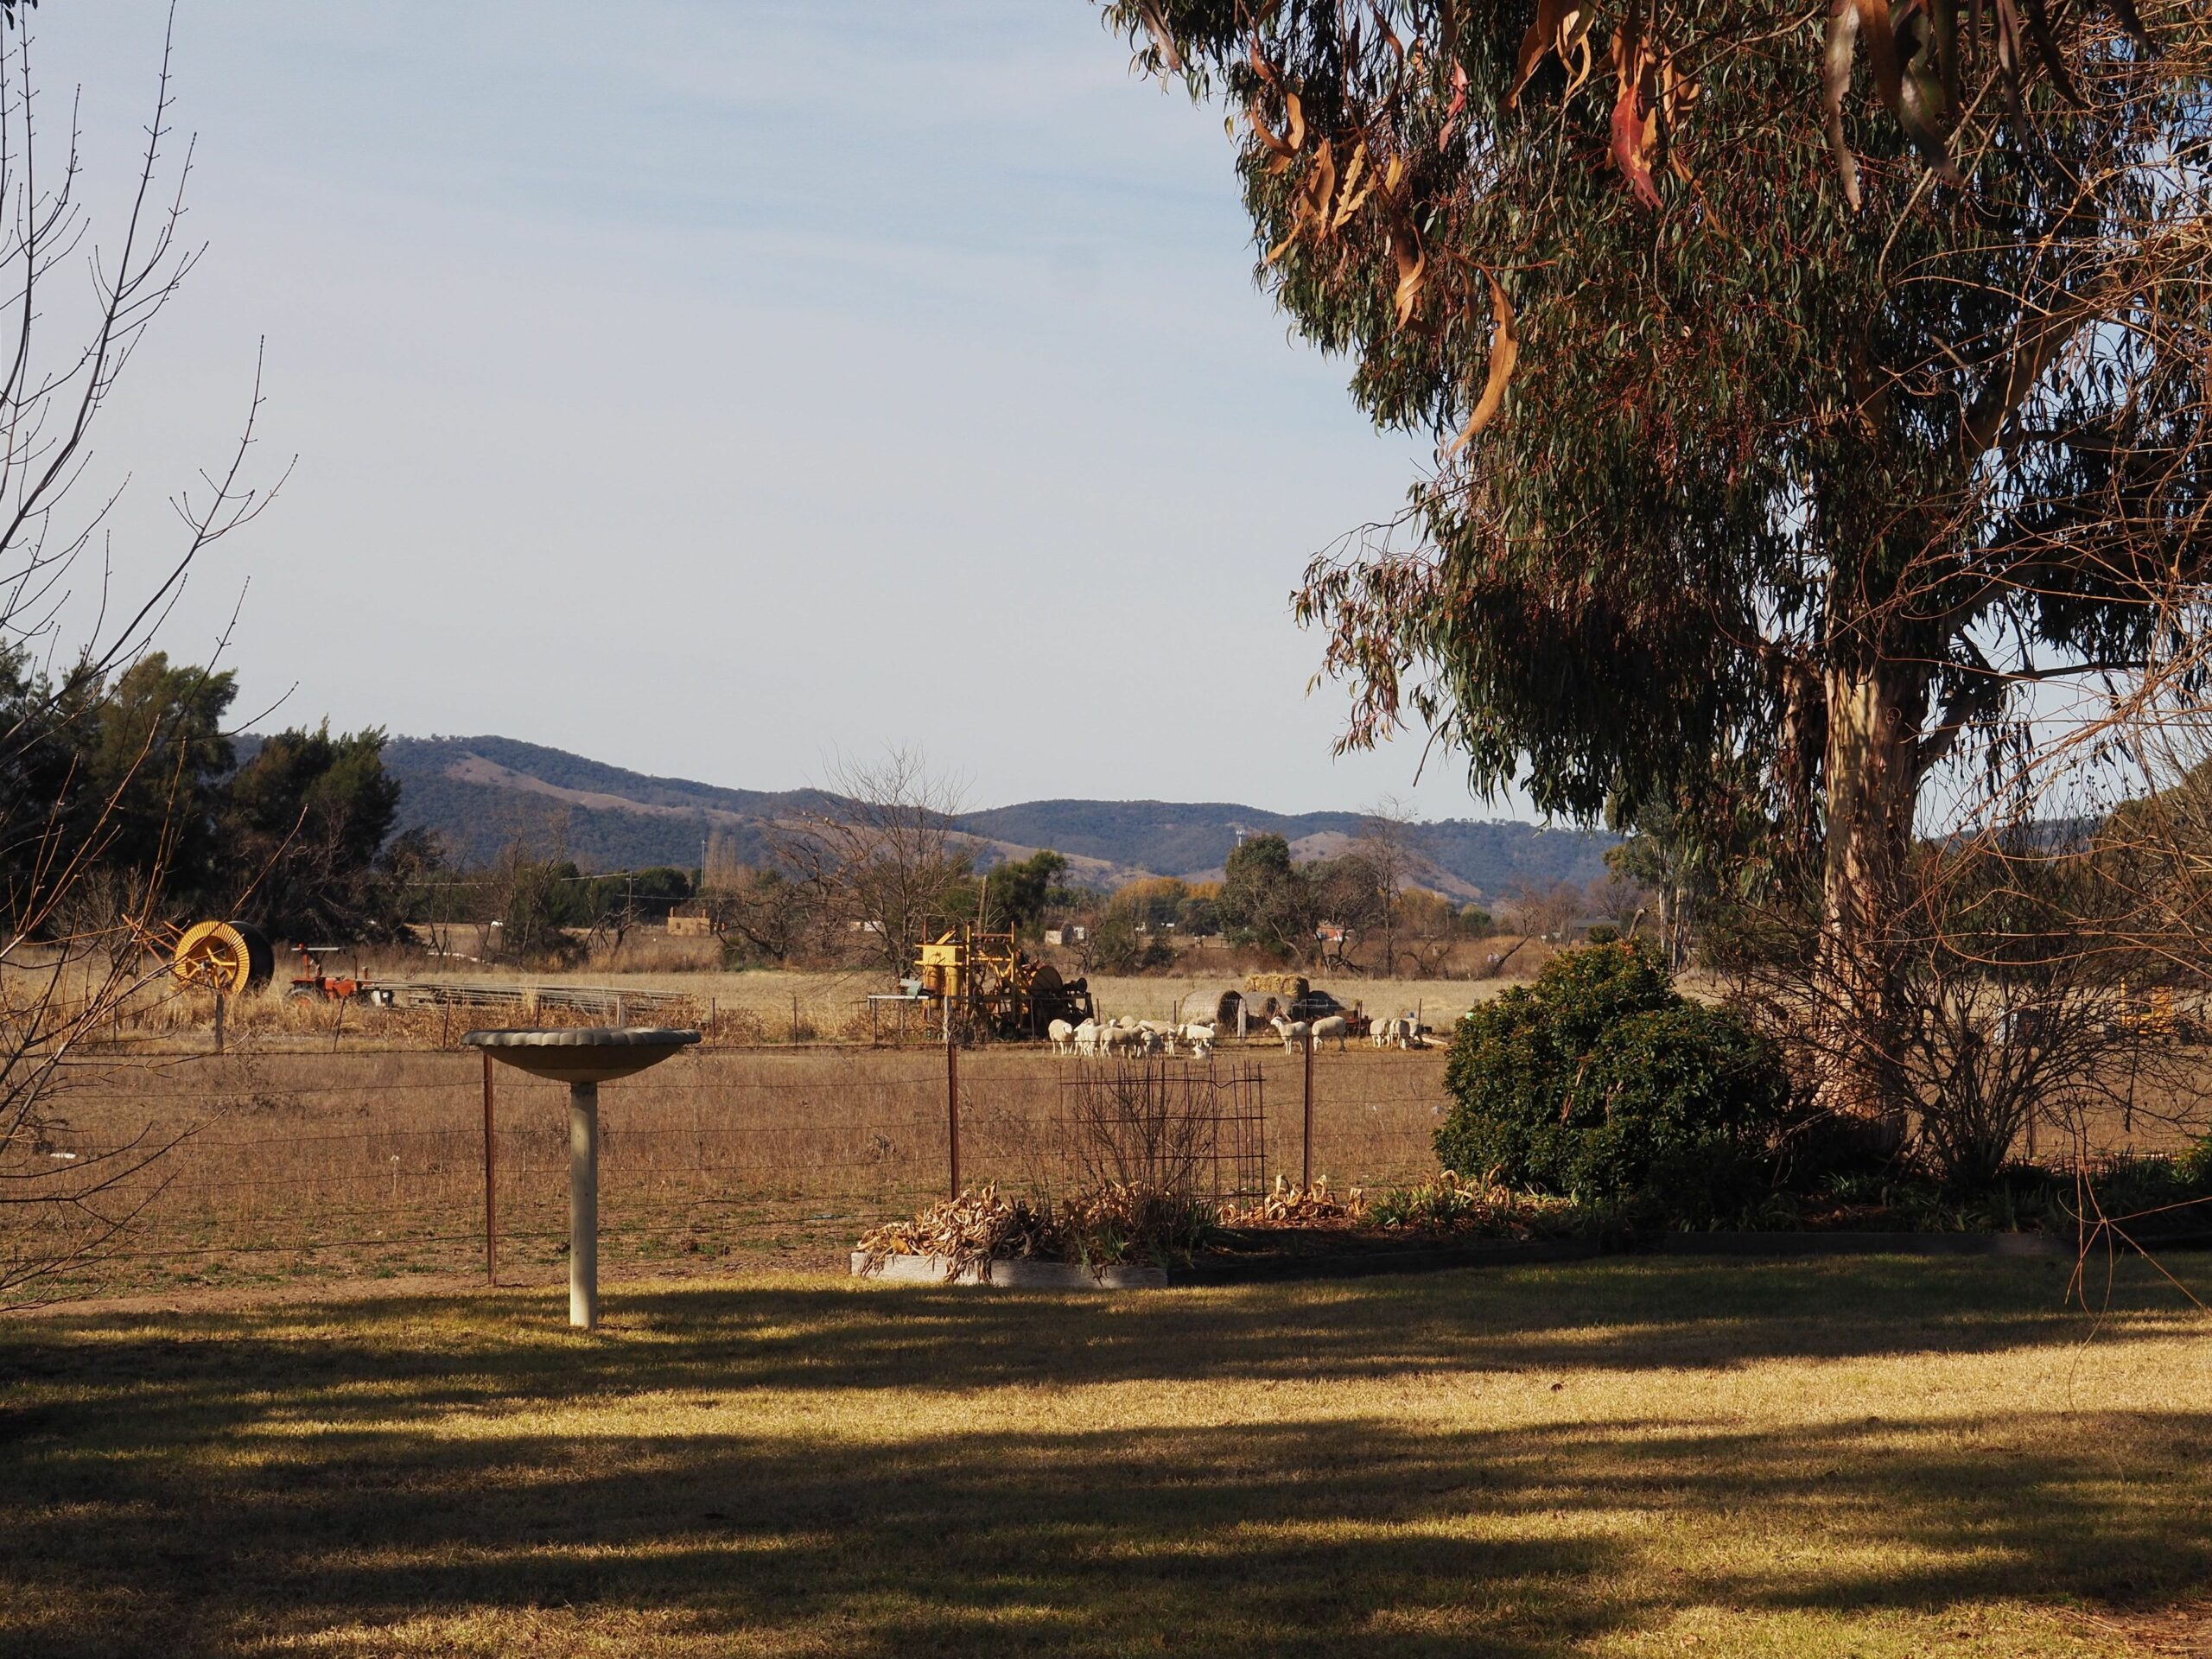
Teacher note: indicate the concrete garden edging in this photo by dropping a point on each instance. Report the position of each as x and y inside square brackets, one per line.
[1424, 1258]
[1072, 1276]
[1481, 1252]
[1015, 1276]
[1788, 1245]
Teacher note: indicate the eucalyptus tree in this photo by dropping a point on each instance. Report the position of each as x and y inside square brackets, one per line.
[1788, 434]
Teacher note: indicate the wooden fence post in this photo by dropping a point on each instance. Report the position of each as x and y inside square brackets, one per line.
[219, 1022]
[491, 1171]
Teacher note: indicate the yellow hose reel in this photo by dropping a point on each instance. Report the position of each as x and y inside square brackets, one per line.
[227, 956]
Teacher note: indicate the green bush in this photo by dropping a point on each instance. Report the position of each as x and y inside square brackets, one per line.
[1602, 1082]
[2153, 1198]
[1117, 947]
[2194, 1167]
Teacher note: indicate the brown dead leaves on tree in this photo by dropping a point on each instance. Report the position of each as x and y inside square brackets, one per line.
[1331, 194]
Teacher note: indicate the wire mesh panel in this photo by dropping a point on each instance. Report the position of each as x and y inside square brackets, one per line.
[1374, 1116]
[1164, 1126]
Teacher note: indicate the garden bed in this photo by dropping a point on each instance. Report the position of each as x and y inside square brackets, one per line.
[1124, 1238]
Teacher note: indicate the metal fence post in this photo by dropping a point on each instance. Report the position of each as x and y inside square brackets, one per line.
[1305, 1160]
[491, 1171]
[952, 1105]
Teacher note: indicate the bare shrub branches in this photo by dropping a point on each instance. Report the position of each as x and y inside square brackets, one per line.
[69, 941]
[1154, 1126]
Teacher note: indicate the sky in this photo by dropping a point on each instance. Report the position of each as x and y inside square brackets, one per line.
[720, 390]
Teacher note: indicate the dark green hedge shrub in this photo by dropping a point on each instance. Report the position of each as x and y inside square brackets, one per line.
[1601, 1082]
[2194, 1167]
[2152, 1198]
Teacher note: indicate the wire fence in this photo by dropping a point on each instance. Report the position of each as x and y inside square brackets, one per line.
[376, 1162]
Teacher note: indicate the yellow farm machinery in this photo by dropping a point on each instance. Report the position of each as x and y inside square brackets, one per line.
[985, 982]
[229, 957]
[2154, 1012]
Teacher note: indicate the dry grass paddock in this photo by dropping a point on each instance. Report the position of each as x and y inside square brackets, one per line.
[747, 1009]
[1618, 1459]
[290, 1164]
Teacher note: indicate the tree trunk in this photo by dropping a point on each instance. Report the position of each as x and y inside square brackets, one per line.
[1874, 714]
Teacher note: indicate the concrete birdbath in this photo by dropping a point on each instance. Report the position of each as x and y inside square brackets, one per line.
[582, 1056]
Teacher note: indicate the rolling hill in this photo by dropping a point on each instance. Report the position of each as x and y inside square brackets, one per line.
[481, 795]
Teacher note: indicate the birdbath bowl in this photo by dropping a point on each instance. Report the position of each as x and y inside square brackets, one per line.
[584, 1057]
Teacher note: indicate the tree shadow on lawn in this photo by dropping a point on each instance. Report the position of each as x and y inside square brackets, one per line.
[1622, 1315]
[219, 1480]
[1282, 1538]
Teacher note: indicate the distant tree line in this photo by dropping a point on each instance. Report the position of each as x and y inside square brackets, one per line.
[1355, 910]
[1378, 921]
[175, 819]
[547, 910]
[134, 778]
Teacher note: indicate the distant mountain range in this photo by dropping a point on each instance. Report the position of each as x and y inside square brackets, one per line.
[480, 795]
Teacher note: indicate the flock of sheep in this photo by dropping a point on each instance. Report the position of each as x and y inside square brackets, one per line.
[1127, 1036]
[1140, 1037]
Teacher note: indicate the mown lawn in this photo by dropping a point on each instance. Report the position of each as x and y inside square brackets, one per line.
[1869, 1457]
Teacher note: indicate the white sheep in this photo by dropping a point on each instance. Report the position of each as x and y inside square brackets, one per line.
[1334, 1025]
[1201, 1050]
[1063, 1036]
[1395, 1031]
[1088, 1036]
[1294, 1033]
[1195, 1034]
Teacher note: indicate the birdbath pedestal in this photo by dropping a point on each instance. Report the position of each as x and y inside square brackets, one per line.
[584, 1057]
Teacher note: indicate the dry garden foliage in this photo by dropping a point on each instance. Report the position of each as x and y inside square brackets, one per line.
[1106, 1226]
